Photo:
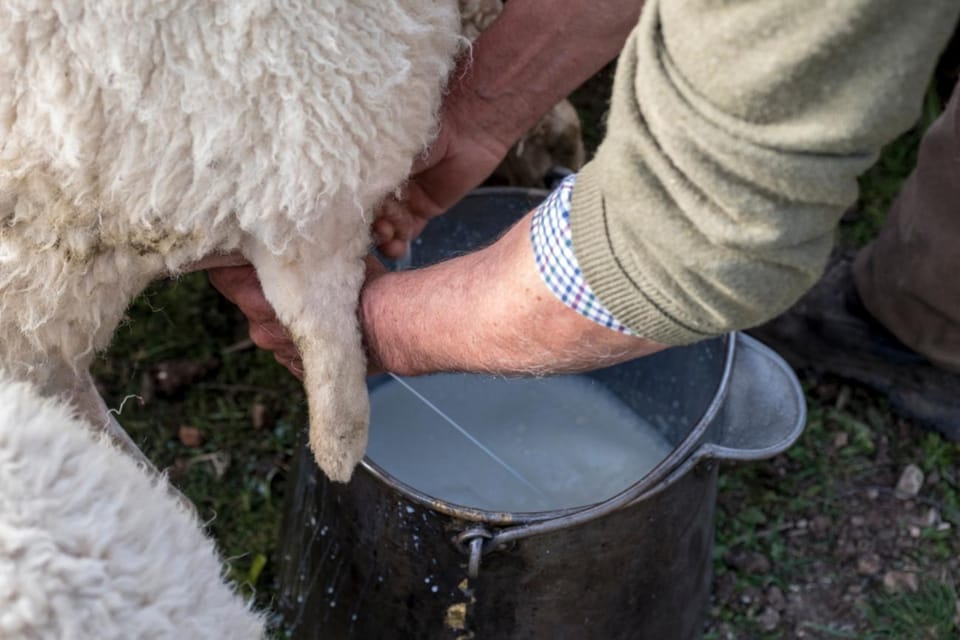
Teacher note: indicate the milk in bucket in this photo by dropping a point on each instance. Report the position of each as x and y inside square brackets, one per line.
[517, 445]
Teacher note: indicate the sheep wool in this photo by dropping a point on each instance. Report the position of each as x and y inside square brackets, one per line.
[477, 15]
[139, 136]
[74, 564]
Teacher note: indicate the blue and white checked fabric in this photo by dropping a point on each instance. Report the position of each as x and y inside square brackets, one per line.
[553, 249]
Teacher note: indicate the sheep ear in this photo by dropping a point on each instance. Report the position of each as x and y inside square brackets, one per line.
[314, 294]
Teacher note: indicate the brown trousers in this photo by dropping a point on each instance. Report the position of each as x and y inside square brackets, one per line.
[909, 276]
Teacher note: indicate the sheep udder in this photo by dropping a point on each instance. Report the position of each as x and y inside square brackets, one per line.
[138, 137]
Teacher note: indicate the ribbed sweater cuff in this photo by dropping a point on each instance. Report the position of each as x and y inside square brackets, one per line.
[632, 301]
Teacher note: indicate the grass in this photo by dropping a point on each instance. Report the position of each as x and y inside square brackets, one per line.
[928, 614]
[852, 447]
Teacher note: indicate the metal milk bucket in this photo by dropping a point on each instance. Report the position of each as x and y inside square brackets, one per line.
[379, 558]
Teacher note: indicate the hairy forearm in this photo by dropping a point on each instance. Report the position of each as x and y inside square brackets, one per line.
[536, 53]
[488, 312]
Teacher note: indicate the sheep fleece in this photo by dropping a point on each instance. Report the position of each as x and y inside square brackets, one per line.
[137, 136]
[74, 565]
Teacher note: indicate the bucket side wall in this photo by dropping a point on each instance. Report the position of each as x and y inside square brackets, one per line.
[640, 573]
[361, 561]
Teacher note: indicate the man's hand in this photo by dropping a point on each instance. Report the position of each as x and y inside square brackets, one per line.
[456, 163]
[240, 285]
[532, 56]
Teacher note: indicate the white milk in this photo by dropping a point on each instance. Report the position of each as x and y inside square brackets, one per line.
[552, 443]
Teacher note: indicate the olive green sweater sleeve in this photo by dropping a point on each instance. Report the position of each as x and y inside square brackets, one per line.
[736, 134]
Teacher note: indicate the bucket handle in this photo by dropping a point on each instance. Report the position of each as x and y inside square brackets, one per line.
[749, 426]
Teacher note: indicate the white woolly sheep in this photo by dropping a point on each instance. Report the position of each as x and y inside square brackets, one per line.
[139, 136]
[93, 547]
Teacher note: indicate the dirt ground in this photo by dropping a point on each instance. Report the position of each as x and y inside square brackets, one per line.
[852, 533]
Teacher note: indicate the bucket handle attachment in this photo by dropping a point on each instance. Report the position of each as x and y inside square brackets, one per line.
[748, 426]
[471, 542]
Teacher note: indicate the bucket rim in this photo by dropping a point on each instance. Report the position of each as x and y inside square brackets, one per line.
[659, 472]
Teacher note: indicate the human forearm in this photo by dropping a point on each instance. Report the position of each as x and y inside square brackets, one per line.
[534, 54]
[488, 311]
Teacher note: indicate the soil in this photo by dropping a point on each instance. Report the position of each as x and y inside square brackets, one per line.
[827, 545]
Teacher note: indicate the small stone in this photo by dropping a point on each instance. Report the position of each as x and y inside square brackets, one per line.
[259, 416]
[189, 436]
[897, 581]
[843, 397]
[869, 565]
[769, 620]
[857, 521]
[725, 588]
[886, 534]
[914, 531]
[873, 494]
[911, 480]
[776, 599]
[752, 596]
[931, 518]
[841, 440]
[172, 376]
[802, 523]
[820, 524]
[748, 562]
[846, 550]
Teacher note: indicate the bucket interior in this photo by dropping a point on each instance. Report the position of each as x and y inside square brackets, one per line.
[532, 445]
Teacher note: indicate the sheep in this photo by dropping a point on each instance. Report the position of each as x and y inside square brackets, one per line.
[91, 546]
[139, 136]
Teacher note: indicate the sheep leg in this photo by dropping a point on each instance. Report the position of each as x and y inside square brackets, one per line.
[315, 297]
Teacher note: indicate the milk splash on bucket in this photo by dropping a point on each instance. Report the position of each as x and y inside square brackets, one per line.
[517, 445]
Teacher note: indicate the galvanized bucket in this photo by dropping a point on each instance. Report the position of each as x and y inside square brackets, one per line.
[378, 558]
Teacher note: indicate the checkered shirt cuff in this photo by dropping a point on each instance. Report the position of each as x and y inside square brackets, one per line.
[553, 250]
